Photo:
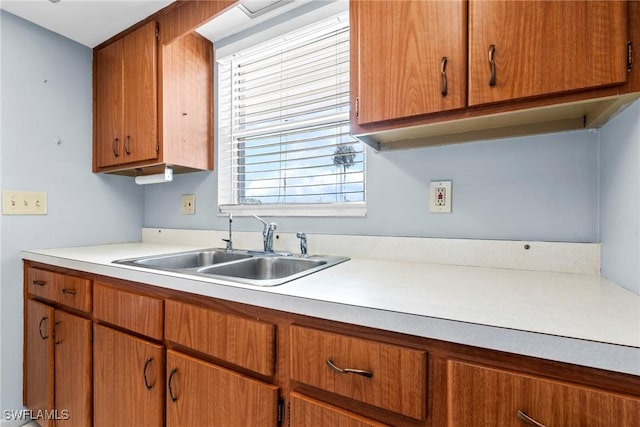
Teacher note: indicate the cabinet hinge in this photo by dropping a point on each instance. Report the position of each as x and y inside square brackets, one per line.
[280, 414]
[157, 33]
[357, 107]
[629, 56]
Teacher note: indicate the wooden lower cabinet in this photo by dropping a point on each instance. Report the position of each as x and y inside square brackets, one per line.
[128, 380]
[200, 393]
[72, 369]
[308, 412]
[57, 366]
[480, 396]
[39, 358]
[160, 358]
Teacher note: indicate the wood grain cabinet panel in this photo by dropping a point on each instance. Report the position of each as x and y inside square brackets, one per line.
[489, 397]
[128, 380]
[399, 50]
[126, 99]
[73, 369]
[39, 359]
[545, 47]
[153, 103]
[138, 313]
[71, 291]
[398, 374]
[241, 341]
[307, 412]
[200, 393]
[40, 283]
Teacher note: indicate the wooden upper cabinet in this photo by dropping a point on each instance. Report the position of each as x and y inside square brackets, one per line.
[398, 62]
[479, 396]
[544, 47]
[108, 104]
[140, 94]
[125, 101]
[153, 103]
[187, 88]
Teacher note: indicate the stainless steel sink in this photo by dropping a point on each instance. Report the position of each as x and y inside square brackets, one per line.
[248, 267]
[186, 260]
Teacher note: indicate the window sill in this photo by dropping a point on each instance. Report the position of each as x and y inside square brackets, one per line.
[358, 209]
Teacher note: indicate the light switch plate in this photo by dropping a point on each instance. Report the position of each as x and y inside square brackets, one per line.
[24, 203]
[440, 197]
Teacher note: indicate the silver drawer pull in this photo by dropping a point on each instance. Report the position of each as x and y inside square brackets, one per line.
[68, 291]
[528, 420]
[367, 374]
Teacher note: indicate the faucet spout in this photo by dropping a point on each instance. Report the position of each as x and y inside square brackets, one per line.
[267, 233]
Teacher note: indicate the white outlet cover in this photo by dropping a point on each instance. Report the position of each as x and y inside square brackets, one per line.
[188, 204]
[440, 197]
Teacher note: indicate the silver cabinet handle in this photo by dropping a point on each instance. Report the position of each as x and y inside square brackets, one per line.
[528, 420]
[367, 374]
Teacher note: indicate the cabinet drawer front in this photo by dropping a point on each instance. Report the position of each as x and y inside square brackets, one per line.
[138, 313]
[484, 396]
[307, 412]
[244, 342]
[40, 283]
[399, 374]
[73, 292]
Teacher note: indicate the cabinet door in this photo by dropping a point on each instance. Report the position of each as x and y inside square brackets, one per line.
[307, 412]
[487, 397]
[72, 369]
[38, 379]
[108, 117]
[140, 94]
[544, 47]
[128, 379]
[199, 392]
[399, 48]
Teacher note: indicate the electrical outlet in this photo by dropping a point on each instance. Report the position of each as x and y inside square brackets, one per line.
[24, 203]
[188, 204]
[440, 197]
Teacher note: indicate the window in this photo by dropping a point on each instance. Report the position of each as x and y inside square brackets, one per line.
[283, 127]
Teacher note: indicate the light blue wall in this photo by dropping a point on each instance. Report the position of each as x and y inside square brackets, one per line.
[531, 188]
[620, 198]
[46, 94]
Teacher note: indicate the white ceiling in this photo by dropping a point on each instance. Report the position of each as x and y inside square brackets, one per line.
[89, 22]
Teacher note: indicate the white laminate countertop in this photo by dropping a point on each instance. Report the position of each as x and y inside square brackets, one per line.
[577, 318]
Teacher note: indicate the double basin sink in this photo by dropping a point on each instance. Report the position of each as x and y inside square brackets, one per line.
[247, 267]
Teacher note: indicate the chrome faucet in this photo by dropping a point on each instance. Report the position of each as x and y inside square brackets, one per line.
[303, 244]
[228, 241]
[267, 233]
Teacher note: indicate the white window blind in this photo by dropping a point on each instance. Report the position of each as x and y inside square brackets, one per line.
[283, 126]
